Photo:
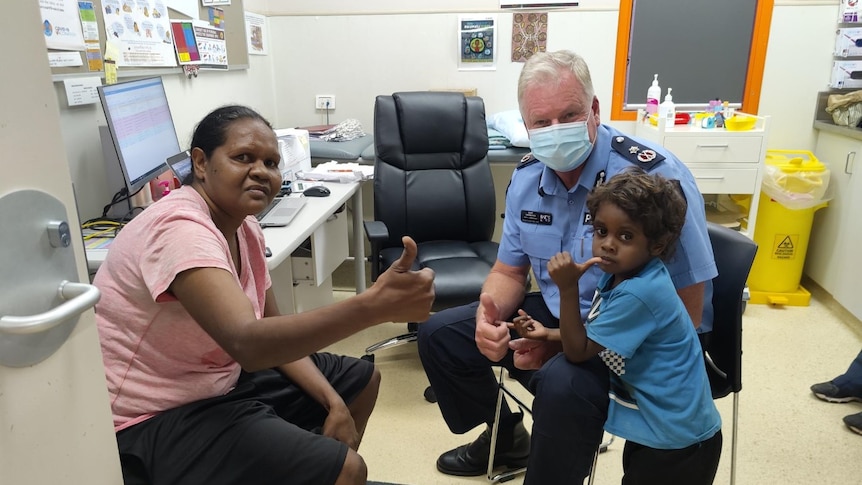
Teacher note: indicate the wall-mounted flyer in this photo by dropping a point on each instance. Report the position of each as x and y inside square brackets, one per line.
[849, 11]
[848, 42]
[846, 74]
[477, 43]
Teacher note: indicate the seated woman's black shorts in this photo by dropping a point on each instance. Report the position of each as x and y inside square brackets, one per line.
[265, 431]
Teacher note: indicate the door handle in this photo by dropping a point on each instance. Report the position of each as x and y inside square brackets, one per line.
[79, 297]
[849, 160]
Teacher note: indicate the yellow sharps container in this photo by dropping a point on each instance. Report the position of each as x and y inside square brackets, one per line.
[793, 188]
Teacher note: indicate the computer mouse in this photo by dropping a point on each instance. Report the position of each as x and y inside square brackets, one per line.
[316, 191]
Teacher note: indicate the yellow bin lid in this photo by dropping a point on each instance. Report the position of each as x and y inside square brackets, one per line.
[790, 161]
[801, 172]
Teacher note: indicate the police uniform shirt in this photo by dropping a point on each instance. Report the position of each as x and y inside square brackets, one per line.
[543, 218]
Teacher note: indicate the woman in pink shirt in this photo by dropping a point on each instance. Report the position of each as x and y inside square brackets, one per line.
[209, 383]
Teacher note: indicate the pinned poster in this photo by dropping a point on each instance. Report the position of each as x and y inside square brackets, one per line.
[529, 34]
[477, 43]
[211, 46]
[61, 25]
[255, 32]
[142, 32]
[185, 42]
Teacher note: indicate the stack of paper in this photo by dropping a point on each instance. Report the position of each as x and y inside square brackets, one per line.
[340, 172]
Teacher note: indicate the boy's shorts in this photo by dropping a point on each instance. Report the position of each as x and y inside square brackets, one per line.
[264, 431]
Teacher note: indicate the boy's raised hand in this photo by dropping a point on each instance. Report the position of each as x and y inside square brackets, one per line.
[565, 272]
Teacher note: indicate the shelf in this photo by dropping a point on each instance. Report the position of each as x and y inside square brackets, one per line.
[831, 127]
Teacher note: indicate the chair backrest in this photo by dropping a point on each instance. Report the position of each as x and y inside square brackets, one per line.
[432, 180]
[734, 255]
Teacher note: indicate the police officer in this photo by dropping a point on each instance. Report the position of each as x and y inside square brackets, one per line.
[545, 214]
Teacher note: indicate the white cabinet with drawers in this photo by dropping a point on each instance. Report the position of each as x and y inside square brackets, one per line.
[722, 161]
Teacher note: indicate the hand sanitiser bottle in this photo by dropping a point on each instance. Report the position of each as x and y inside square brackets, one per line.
[667, 110]
[652, 95]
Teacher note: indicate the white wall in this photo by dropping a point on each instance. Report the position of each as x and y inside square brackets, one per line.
[357, 57]
[798, 65]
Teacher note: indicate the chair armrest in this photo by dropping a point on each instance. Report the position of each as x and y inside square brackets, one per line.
[377, 233]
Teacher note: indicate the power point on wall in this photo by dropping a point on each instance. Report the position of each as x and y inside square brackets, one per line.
[324, 101]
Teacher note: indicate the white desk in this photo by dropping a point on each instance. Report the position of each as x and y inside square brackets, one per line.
[329, 247]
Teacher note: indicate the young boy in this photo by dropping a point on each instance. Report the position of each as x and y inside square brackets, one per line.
[660, 397]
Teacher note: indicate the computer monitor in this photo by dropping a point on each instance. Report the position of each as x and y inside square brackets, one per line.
[141, 131]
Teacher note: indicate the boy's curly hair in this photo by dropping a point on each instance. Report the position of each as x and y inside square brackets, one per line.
[658, 204]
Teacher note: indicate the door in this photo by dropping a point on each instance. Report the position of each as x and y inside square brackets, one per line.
[55, 420]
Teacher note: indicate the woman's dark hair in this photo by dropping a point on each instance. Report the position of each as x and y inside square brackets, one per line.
[658, 204]
[211, 132]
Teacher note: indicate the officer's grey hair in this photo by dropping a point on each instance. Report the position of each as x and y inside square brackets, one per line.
[547, 66]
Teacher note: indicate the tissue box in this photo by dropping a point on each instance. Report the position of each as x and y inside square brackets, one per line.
[295, 152]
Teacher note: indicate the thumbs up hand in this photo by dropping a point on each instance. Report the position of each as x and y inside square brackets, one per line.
[405, 295]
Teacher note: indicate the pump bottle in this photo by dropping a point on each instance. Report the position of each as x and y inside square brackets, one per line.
[653, 94]
[667, 110]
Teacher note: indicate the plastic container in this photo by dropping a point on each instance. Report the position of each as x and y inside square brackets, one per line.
[653, 94]
[679, 119]
[740, 123]
[667, 110]
[794, 187]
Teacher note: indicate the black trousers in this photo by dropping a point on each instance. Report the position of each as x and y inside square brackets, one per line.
[695, 465]
[265, 431]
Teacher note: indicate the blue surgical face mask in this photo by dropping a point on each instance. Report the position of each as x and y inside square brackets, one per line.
[562, 147]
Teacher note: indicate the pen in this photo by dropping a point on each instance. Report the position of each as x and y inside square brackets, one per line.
[340, 170]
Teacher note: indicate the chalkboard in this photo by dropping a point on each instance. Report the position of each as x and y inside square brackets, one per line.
[235, 39]
[703, 49]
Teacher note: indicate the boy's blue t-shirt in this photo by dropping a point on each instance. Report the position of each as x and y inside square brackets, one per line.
[660, 393]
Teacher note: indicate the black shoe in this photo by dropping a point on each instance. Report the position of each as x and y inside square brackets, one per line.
[854, 422]
[471, 460]
[828, 391]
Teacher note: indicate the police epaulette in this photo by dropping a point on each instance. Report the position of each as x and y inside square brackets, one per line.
[528, 160]
[644, 157]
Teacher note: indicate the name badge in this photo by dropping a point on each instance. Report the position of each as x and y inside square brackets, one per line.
[533, 217]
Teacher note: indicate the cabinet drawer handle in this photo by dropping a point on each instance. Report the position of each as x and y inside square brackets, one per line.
[848, 163]
[709, 177]
[717, 145]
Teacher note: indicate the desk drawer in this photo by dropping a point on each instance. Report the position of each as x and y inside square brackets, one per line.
[314, 262]
[693, 149]
[725, 181]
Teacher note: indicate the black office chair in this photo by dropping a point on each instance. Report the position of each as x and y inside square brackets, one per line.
[432, 182]
[734, 255]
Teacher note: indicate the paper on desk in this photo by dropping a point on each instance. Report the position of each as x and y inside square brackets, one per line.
[340, 172]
